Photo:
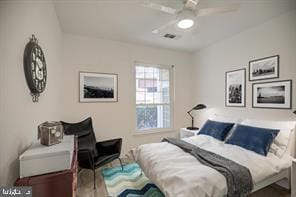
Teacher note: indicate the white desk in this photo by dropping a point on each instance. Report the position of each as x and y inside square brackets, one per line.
[39, 159]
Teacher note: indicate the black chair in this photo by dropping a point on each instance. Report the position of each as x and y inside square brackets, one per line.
[92, 154]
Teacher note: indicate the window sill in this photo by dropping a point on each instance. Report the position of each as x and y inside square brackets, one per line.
[154, 131]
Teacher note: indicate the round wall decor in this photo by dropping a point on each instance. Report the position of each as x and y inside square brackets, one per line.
[35, 68]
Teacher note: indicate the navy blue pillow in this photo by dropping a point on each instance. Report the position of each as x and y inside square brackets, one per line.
[254, 139]
[218, 130]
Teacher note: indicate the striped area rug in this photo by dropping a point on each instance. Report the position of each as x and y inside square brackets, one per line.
[129, 182]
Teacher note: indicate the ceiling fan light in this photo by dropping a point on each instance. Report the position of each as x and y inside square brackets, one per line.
[185, 23]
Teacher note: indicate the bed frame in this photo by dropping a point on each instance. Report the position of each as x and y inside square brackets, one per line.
[284, 174]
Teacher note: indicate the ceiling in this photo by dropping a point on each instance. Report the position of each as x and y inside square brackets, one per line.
[129, 21]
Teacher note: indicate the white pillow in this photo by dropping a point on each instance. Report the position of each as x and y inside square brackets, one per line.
[229, 119]
[280, 143]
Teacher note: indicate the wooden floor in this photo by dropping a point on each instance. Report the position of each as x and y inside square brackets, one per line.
[85, 187]
[272, 191]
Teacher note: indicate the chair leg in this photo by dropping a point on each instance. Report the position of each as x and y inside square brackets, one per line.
[94, 178]
[120, 163]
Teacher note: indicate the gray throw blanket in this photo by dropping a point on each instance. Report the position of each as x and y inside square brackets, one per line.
[238, 177]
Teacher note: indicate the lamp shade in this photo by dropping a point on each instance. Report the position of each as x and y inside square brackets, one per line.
[199, 106]
[186, 19]
[185, 23]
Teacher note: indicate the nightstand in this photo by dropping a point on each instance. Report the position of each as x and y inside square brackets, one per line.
[184, 133]
[293, 178]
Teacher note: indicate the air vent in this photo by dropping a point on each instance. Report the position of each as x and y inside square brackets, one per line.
[170, 36]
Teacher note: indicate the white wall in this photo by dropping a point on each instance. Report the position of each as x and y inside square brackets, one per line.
[19, 117]
[277, 36]
[118, 119]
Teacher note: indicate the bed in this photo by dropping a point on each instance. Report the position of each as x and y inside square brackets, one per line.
[178, 173]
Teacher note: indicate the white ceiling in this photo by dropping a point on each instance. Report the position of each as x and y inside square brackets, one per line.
[129, 21]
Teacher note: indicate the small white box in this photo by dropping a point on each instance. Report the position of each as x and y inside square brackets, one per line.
[40, 159]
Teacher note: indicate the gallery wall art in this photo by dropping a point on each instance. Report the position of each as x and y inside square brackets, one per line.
[98, 87]
[264, 68]
[235, 88]
[276, 94]
[272, 95]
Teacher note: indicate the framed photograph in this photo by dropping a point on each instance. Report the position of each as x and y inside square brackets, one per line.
[98, 87]
[264, 68]
[235, 88]
[275, 95]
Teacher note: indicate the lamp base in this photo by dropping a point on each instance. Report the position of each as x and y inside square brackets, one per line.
[192, 128]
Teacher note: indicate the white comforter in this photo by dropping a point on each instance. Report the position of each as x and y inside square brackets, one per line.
[178, 174]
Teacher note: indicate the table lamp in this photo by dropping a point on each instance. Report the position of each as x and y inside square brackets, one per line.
[197, 107]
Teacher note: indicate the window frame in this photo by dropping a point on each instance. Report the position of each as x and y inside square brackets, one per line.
[171, 69]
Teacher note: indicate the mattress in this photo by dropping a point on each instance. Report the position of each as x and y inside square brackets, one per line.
[178, 173]
[39, 159]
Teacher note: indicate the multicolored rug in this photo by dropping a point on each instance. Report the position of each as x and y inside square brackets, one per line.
[129, 182]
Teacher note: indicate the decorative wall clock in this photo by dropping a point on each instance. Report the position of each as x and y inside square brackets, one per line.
[35, 68]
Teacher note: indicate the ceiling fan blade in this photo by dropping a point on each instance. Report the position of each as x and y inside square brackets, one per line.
[217, 10]
[159, 7]
[160, 29]
[191, 4]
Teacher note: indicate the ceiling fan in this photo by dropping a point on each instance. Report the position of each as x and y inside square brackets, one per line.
[186, 17]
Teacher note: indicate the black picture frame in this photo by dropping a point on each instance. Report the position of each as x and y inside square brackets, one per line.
[287, 97]
[276, 68]
[243, 91]
[105, 94]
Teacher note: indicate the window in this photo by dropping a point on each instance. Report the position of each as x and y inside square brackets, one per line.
[153, 97]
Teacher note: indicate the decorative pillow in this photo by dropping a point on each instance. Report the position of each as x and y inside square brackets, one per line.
[226, 118]
[280, 143]
[254, 139]
[218, 130]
